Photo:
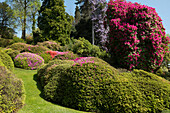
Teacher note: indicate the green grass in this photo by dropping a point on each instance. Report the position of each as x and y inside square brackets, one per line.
[34, 102]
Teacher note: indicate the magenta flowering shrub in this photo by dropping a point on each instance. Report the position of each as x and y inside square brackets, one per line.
[28, 60]
[136, 37]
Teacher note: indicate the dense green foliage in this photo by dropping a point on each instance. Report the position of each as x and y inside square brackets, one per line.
[12, 53]
[7, 22]
[54, 22]
[27, 60]
[51, 45]
[18, 46]
[84, 48]
[6, 42]
[46, 73]
[96, 86]
[12, 94]
[6, 60]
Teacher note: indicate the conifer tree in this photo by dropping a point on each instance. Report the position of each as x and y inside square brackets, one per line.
[54, 22]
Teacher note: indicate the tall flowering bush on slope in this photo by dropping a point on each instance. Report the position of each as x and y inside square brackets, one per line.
[136, 36]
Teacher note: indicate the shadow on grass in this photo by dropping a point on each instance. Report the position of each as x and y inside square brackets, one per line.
[35, 78]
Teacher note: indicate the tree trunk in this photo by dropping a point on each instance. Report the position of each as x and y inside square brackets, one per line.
[24, 27]
[33, 23]
[92, 32]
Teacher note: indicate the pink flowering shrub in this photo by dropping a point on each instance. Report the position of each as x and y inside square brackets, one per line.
[136, 37]
[28, 60]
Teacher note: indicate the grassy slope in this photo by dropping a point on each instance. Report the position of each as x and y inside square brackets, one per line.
[34, 102]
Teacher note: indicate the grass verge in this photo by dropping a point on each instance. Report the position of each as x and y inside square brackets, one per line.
[34, 102]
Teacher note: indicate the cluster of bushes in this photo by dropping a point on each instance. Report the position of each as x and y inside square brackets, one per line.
[91, 84]
[12, 94]
[84, 48]
[6, 42]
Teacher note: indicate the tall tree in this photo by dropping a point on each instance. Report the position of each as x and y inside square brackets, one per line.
[21, 9]
[84, 27]
[34, 8]
[7, 23]
[54, 22]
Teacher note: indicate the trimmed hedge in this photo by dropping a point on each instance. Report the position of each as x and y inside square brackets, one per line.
[52, 69]
[6, 60]
[18, 46]
[96, 86]
[28, 60]
[12, 94]
[12, 53]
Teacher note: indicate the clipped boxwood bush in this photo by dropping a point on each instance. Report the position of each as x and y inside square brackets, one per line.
[79, 85]
[12, 94]
[51, 69]
[18, 46]
[51, 45]
[28, 60]
[96, 86]
[142, 92]
[6, 60]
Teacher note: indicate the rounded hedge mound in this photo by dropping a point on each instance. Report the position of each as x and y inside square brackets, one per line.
[28, 60]
[12, 94]
[142, 92]
[18, 46]
[6, 60]
[96, 86]
[51, 69]
[12, 53]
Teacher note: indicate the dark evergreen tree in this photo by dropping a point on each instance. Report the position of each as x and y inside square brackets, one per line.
[84, 27]
[7, 23]
[54, 22]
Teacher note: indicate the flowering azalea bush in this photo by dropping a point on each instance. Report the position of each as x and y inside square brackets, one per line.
[28, 60]
[136, 37]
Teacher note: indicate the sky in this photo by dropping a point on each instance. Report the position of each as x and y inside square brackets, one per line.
[162, 8]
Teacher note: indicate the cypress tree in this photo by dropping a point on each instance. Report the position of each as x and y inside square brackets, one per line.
[54, 22]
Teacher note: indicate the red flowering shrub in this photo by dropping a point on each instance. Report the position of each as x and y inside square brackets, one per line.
[136, 37]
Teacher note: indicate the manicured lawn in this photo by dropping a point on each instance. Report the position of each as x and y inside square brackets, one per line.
[34, 102]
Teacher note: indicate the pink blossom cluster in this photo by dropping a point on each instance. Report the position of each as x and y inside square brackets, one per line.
[137, 36]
